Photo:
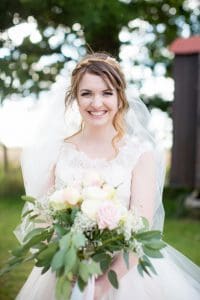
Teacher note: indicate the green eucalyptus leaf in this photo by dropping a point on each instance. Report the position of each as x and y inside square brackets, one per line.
[148, 263]
[27, 212]
[73, 213]
[63, 288]
[45, 269]
[14, 260]
[58, 260]
[104, 259]
[148, 235]
[59, 230]
[140, 269]
[152, 253]
[83, 271]
[143, 267]
[126, 258]
[104, 265]
[155, 244]
[33, 217]
[48, 253]
[65, 241]
[20, 251]
[101, 256]
[40, 246]
[37, 239]
[79, 240]
[145, 223]
[42, 264]
[28, 199]
[113, 248]
[34, 232]
[112, 276]
[70, 259]
[81, 283]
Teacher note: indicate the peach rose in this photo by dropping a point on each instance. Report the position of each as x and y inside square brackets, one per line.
[92, 178]
[64, 198]
[71, 195]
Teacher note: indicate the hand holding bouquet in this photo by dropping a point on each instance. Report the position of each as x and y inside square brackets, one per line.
[86, 225]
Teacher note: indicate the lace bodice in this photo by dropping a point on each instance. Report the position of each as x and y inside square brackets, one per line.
[72, 165]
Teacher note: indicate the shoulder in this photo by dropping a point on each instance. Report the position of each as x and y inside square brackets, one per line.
[141, 151]
[141, 146]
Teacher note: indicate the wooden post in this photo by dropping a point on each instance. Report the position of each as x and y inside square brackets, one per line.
[185, 170]
[5, 158]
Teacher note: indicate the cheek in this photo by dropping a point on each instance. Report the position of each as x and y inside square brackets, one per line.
[82, 104]
[113, 104]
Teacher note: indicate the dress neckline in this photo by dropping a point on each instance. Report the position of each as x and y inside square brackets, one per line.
[103, 160]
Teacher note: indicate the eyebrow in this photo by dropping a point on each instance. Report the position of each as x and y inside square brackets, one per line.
[90, 90]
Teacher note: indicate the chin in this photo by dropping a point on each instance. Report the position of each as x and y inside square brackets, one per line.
[98, 122]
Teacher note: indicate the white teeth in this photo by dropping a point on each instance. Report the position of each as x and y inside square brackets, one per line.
[97, 113]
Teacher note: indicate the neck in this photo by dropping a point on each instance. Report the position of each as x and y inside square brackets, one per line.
[98, 134]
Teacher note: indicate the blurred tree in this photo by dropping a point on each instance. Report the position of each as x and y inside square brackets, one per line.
[66, 28]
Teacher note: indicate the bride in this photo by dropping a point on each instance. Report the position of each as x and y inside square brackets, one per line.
[114, 140]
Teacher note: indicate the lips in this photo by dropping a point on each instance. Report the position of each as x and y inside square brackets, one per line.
[97, 113]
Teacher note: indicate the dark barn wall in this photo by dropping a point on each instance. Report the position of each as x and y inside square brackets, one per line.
[185, 169]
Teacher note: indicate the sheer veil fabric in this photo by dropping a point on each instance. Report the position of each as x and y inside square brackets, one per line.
[38, 161]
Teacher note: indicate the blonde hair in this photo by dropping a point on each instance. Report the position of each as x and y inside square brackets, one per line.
[108, 68]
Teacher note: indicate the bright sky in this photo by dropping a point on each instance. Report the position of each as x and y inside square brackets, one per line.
[19, 118]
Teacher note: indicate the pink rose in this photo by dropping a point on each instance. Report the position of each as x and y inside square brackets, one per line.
[108, 216]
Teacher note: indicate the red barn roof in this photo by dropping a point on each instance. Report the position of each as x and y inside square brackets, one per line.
[186, 46]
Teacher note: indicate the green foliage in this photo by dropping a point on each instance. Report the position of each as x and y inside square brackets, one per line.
[112, 276]
[100, 25]
[146, 266]
[126, 258]
[174, 202]
[104, 260]
[28, 199]
[63, 287]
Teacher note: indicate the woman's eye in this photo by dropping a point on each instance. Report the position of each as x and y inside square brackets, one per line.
[108, 93]
[85, 94]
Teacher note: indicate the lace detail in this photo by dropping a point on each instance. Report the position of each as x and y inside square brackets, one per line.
[98, 160]
[72, 164]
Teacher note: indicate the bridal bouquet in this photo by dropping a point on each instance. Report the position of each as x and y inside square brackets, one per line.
[80, 229]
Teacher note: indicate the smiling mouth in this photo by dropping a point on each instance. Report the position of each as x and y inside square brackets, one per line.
[98, 113]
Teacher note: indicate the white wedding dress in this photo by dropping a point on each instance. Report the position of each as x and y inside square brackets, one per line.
[178, 278]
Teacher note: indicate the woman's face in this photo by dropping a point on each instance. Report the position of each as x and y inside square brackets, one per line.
[98, 104]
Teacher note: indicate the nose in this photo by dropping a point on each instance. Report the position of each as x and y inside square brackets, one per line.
[96, 101]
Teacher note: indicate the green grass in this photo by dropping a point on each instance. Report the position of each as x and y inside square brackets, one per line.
[183, 234]
[11, 282]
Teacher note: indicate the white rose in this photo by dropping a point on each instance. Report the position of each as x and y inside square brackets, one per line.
[94, 193]
[57, 201]
[110, 190]
[90, 208]
[71, 195]
[92, 178]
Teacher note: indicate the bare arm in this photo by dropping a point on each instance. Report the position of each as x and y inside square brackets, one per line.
[143, 188]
